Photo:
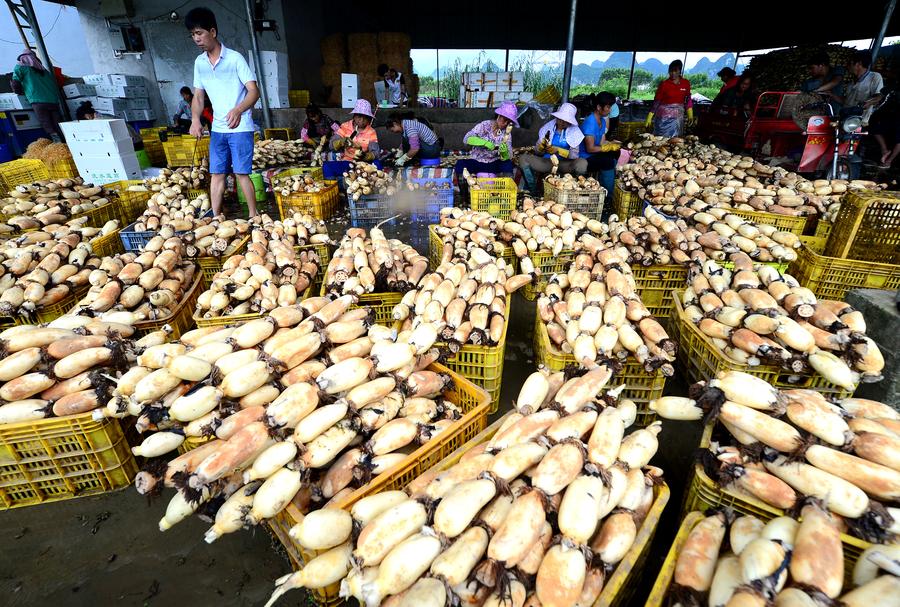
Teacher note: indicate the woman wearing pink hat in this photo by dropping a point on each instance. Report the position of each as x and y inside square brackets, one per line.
[491, 142]
[356, 138]
[560, 137]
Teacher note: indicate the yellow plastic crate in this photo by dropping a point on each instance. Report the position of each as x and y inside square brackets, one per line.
[62, 457]
[62, 169]
[628, 131]
[640, 385]
[210, 266]
[298, 98]
[625, 204]
[181, 320]
[548, 264]
[589, 204]
[867, 228]
[321, 205]
[482, 365]
[99, 216]
[324, 252]
[823, 229]
[107, 246]
[192, 442]
[60, 308]
[797, 225]
[23, 170]
[185, 150]
[239, 319]
[285, 134]
[815, 243]
[381, 303]
[703, 493]
[132, 203]
[436, 249]
[702, 360]
[469, 397]
[831, 278]
[654, 285]
[494, 195]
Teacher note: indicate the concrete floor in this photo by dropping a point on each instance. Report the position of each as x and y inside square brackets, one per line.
[107, 549]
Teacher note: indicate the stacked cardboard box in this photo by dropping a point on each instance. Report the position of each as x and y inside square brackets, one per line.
[490, 89]
[121, 95]
[274, 70]
[102, 150]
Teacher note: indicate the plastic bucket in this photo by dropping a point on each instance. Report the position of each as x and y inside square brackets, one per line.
[5, 153]
[259, 186]
[431, 162]
[143, 159]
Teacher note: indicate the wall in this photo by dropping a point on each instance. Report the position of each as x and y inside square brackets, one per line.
[169, 61]
[306, 22]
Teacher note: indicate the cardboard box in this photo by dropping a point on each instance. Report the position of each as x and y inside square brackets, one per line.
[118, 91]
[11, 101]
[94, 131]
[126, 80]
[102, 149]
[73, 91]
[132, 115]
[110, 105]
[137, 103]
[96, 79]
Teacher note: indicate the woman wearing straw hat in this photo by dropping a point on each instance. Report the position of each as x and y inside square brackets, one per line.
[560, 137]
[491, 142]
[356, 138]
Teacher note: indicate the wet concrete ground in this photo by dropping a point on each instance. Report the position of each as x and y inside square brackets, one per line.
[108, 550]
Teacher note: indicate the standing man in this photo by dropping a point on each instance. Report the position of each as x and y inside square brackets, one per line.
[223, 73]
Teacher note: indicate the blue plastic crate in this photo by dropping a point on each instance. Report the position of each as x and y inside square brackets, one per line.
[134, 242]
[371, 208]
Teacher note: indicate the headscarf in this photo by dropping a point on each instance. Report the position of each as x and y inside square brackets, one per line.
[29, 59]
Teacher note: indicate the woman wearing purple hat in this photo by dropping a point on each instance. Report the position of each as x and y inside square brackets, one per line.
[356, 138]
[560, 137]
[491, 142]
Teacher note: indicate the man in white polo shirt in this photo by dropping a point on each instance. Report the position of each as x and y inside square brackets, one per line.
[224, 75]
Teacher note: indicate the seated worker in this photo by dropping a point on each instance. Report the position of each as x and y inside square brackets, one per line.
[316, 125]
[740, 98]
[825, 79]
[356, 139]
[729, 79]
[560, 137]
[419, 141]
[86, 111]
[601, 153]
[182, 118]
[491, 142]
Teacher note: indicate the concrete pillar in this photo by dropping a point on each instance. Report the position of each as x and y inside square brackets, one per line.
[882, 325]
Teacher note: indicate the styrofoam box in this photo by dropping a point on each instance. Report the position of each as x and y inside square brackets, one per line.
[526, 96]
[490, 79]
[126, 80]
[11, 101]
[350, 80]
[85, 131]
[96, 79]
[490, 88]
[121, 91]
[517, 88]
[120, 167]
[474, 80]
[102, 149]
[273, 63]
[137, 103]
[73, 104]
[79, 89]
[517, 82]
[348, 102]
[109, 173]
[131, 115]
[110, 105]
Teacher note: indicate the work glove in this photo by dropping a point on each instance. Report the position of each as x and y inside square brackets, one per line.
[339, 143]
[402, 160]
[543, 147]
[611, 146]
[480, 142]
[690, 117]
[562, 153]
[368, 156]
[649, 121]
[504, 151]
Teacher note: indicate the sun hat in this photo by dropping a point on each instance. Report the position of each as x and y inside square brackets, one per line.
[363, 107]
[508, 110]
[566, 113]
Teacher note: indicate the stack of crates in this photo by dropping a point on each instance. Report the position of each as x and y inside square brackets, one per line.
[862, 250]
[153, 145]
[185, 151]
[62, 169]
[17, 172]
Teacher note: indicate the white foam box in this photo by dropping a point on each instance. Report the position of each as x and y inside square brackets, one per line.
[11, 101]
[102, 149]
[137, 103]
[73, 104]
[131, 115]
[526, 96]
[482, 99]
[350, 80]
[272, 63]
[96, 79]
[503, 80]
[492, 88]
[490, 79]
[107, 171]
[110, 105]
[119, 91]
[95, 131]
[517, 81]
[78, 89]
[126, 80]
[473, 80]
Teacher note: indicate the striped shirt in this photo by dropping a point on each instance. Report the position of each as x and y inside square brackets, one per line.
[418, 133]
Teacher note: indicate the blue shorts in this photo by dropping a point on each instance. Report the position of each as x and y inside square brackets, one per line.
[231, 153]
